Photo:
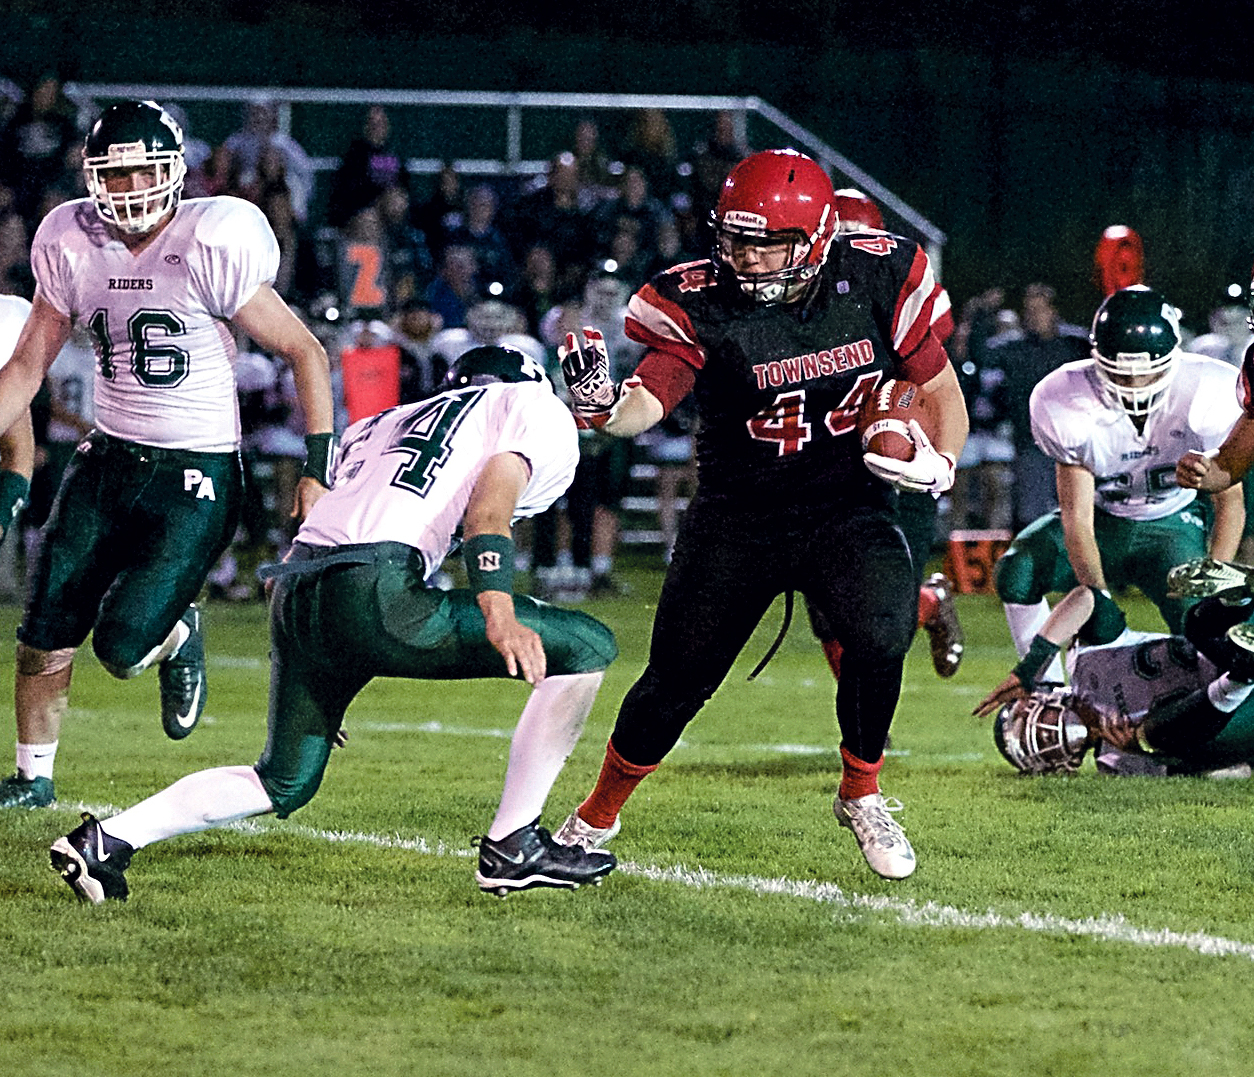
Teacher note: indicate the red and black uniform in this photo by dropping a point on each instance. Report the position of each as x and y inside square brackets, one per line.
[784, 501]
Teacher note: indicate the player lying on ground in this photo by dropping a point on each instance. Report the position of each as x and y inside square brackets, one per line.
[1149, 704]
[351, 603]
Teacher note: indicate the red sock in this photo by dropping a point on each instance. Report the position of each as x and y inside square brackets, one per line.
[858, 777]
[928, 605]
[833, 649]
[616, 783]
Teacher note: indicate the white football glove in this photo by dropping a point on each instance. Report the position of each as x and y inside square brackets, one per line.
[930, 472]
[586, 371]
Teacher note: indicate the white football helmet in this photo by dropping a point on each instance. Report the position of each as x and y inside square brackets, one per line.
[1042, 734]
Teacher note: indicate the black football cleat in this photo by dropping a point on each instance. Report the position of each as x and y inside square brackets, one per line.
[91, 862]
[530, 857]
[182, 678]
[943, 628]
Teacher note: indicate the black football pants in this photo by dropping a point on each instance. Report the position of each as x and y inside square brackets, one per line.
[851, 564]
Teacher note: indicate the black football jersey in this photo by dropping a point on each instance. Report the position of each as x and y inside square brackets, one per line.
[778, 388]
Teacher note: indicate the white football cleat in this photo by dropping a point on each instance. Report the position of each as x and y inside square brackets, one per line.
[881, 839]
[588, 837]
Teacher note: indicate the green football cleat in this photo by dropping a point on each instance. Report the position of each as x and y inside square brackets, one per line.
[19, 792]
[1203, 577]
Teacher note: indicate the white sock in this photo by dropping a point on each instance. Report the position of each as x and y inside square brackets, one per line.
[35, 760]
[1226, 694]
[546, 734]
[1025, 622]
[197, 802]
[602, 564]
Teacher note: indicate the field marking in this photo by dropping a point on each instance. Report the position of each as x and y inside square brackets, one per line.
[853, 907]
[683, 745]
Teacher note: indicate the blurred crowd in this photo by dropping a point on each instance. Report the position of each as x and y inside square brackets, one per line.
[399, 274]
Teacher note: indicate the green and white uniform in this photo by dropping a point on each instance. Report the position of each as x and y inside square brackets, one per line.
[151, 498]
[354, 603]
[1143, 522]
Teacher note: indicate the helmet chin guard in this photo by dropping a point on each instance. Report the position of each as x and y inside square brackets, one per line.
[1136, 349]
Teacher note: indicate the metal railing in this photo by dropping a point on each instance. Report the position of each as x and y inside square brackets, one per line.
[514, 158]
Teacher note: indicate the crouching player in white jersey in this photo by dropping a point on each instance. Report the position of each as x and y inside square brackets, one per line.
[1148, 704]
[1116, 425]
[152, 495]
[351, 604]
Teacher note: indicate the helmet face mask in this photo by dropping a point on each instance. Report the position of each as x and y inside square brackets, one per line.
[774, 225]
[137, 149]
[1042, 734]
[1136, 348]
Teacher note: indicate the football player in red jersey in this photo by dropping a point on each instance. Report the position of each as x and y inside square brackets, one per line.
[779, 336]
[938, 615]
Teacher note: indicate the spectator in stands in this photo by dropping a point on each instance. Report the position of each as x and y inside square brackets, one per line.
[456, 286]
[712, 159]
[261, 129]
[413, 329]
[535, 292]
[651, 147]
[370, 166]
[443, 211]
[591, 161]
[220, 174]
[1024, 356]
[16, 277]
[633, 209]
[300, 275]
[555, 213]
[410, 265]
[478, 229]
[34, 143]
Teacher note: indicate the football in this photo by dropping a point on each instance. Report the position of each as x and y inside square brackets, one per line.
[882, 422]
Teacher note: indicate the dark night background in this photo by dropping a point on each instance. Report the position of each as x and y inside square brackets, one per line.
[1020, 129]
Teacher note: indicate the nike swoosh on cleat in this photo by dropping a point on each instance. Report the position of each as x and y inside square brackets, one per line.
[101, 855]
[517, 858]
[186, 722]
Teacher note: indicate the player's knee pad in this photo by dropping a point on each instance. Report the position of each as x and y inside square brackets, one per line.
[32, 662]
[1015, 579]
[289, 792]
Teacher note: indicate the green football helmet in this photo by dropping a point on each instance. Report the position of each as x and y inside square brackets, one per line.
[492, 363]
[135, 135]
[1136, 345]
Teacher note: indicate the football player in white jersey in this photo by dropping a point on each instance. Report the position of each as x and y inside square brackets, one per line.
[152, 495]
[1149, 704]
[352, 602]
[17, 444]
[1116, 425]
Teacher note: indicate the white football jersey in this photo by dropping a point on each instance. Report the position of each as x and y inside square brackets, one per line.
[1139, 668]
[406, 474]
[158, 320]
[13, 313]
[1073, 423]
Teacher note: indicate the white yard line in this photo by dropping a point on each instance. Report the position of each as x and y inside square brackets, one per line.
[852, 907]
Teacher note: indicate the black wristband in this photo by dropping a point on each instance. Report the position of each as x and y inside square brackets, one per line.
[1033, 664]
[490, 563]
[321, 451]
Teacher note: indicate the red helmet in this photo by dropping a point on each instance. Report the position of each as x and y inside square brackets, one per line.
[777, 196]
[856, 212]
[1119, 260]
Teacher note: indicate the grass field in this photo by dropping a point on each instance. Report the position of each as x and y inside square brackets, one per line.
[1067, 926]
